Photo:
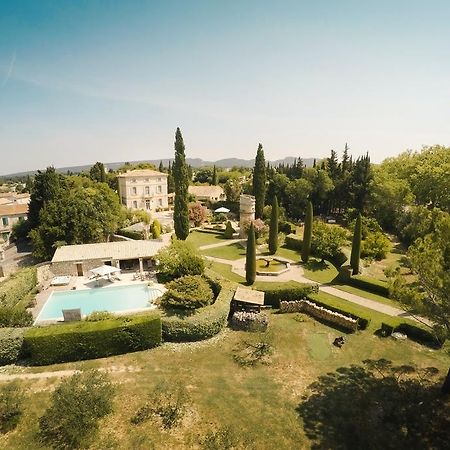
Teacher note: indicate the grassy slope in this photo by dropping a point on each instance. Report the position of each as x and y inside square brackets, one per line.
[257, 403]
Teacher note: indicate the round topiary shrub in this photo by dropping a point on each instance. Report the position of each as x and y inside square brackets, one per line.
[188, 292]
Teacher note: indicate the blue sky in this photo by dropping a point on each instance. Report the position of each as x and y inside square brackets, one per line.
[82, 81]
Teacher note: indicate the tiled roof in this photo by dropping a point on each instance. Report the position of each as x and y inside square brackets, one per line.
[142, 173]
[108, 250]
[206, 191]
[249, 296]
[14, 209]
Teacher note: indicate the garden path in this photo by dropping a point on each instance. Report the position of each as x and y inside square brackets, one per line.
[296, 274]
[221, 244]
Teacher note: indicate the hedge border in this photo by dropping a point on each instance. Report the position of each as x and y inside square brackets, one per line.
[273, 297]
[89, 340]
[203, 323]
[365, 283]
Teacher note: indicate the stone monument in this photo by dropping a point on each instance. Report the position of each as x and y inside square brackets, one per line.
[246, 212]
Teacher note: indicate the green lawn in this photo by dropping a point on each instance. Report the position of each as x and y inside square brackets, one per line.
[366, 294]
[231, 251]
[198, 239]
[258, 404]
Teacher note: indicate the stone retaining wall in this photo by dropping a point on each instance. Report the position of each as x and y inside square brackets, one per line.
[319, 312]
[249, 321]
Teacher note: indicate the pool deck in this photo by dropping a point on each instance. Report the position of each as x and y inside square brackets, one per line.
[82, 283]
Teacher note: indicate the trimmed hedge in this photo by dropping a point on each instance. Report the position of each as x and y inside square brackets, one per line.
[87, 340]
[132, 234]
[204, 322]
[274, 296]
[369, 284]
[293, 242]
[11, 342]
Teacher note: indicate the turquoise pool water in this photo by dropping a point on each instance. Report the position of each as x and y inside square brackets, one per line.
[113, 299]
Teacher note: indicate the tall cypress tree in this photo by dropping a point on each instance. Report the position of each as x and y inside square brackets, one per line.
[307, 233]
[161, 166]
[259, 182]
[214, 176]
[250, 256]
[273, 231]
[181, 179]
[170, 182]
[356, 245]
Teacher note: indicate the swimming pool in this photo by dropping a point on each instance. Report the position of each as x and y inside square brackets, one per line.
[113, 299]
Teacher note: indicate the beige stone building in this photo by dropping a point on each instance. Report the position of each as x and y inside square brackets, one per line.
[207, 193]
[143, 189]
[11, 214]
[78, 260]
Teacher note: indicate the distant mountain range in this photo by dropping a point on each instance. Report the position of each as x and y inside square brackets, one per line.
[194, 162]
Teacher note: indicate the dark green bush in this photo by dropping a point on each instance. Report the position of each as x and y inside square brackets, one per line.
[420, 335]
[11, 406]
[229, 231]
[204, 322]
[132, 234]
[369, 284]
[189, 292]
[86, 340]
[274, 296]
[294, 242]
[11, 342]
[77, 404]
[16, 294]
[286, 227]
[178, 260]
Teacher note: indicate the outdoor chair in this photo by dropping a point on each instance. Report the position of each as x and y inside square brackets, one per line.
[71, 315]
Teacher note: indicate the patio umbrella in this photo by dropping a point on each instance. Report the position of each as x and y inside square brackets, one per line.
[222, 210]
[104, 270]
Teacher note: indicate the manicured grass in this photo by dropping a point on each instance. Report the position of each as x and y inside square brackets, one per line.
[198, 239]
[375, 317]
[321, 272]
[287, 253]
[226, 272]
[231, 251]
[257, 403]
[366, 294]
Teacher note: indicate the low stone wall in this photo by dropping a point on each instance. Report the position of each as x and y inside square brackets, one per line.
[319, 312]
[249, 321]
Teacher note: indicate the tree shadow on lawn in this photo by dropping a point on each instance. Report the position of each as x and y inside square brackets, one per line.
[376, 406]
[316, 265]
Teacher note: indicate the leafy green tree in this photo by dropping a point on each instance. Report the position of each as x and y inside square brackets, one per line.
[259, 182]
[233, 190]
[298, 192]
[374, 406]
[77, 404]
[362, 176]
[375, 246]
[178, 260]
[321, 187]
[250, 256]
[84, 212]
[273, 231]
[203, 175]
[430, 296]
[181, 179]
[97, 172]
[214, 176]
[307, 233]
[47, 186]
[356, 245]
[327, 240]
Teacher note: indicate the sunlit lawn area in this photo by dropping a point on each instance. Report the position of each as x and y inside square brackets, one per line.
[256, 403]
[231, 252]
[366, 294]
[198, 239]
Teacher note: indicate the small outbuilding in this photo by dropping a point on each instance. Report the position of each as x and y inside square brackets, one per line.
[247, 300]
